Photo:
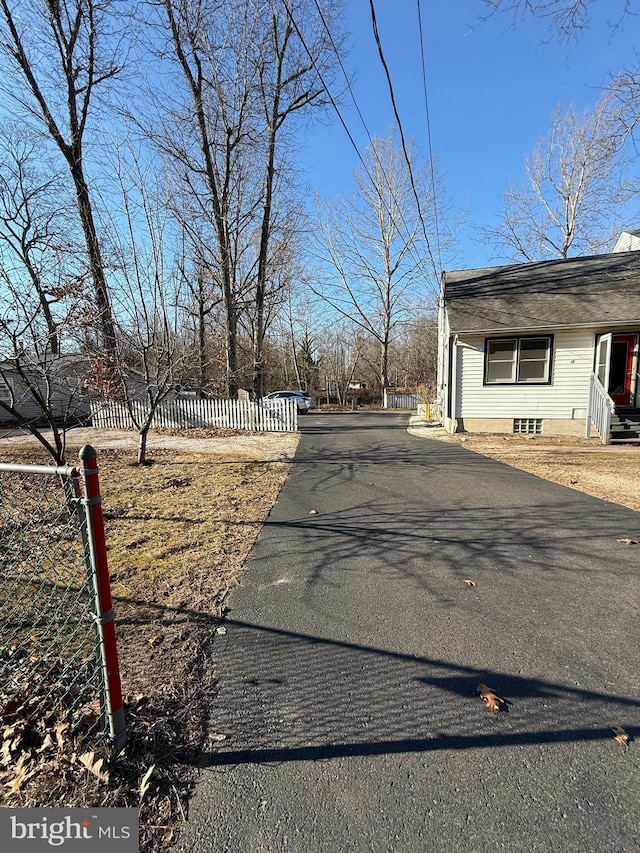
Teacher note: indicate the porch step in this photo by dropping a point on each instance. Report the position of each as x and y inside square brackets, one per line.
[625, 426]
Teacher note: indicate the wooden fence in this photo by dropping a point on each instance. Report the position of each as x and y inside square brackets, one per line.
[274, 416]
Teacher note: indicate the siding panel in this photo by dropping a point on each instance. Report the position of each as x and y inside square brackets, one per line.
[572, 364]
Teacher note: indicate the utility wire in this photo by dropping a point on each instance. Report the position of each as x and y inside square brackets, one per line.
[373, 148]
[426, 108]
[312, 59]
[383, 61]
[342, 68]
[358, 110]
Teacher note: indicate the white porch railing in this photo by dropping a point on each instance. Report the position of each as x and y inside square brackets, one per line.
[600, 408]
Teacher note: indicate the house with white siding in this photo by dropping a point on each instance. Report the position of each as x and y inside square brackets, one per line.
[547, 347]
[33, 392]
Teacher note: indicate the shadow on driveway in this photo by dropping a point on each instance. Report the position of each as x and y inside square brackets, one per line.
[302, 697]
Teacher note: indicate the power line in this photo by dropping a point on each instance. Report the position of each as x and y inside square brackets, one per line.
[358, 110]
[373, 148]
[383, 61]
[325, 86]
[427, 113]
[343, 69]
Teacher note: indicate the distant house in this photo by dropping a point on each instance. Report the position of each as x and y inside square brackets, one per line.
[59, 384]
[548, 347]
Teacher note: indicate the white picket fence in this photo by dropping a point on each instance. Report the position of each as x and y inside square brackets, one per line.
[274, 416]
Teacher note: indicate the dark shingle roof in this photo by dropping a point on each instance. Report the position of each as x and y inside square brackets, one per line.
[599, 290]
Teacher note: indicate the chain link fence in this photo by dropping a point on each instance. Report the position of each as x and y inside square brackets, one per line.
[56, 622]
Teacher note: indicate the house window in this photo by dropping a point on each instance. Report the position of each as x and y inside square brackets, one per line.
[527, 426]
[518, 361]
[5, 392]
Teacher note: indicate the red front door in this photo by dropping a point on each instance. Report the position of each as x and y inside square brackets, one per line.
[621, 368]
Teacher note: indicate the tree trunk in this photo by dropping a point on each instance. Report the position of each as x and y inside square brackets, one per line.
[142, 444]
[263, 256]
[101, 289]
[217, 191]
[67, 25]
[202, 343]
[384, 362]
[258, 343]
[232, 351]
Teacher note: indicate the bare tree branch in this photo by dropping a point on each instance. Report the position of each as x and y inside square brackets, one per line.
[575, 188]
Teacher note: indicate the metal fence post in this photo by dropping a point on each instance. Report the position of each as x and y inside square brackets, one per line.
[104, 610]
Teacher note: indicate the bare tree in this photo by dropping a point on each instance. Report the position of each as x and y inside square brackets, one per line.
[248, 67]
[200, 297]
[373, 247]
[340, 353]
[201, 304]
[302, 325]
[293, 63]
[574, 192]
[566, 17]
[41, 292]
[59, 54]
[413, 357]
[33, 225]
[150, 352]
[208, 147]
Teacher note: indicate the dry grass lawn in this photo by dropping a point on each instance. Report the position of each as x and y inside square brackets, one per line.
[178, 532]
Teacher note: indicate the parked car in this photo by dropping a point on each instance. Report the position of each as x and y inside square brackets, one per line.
[303, 399]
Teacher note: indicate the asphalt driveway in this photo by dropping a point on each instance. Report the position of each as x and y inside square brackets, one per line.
[347, 717]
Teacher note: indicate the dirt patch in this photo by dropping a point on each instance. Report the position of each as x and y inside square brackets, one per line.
[178, 532]
[611, 473]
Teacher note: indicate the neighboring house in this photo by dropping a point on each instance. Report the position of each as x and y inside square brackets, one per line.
[548, 347]
[61, 382]
[628, 241]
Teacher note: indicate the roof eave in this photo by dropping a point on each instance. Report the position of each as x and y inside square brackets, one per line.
[545, 328]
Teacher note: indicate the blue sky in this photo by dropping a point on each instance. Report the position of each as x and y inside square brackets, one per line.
[492, 90]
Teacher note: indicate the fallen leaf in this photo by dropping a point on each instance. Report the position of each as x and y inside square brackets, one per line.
[46, 743]
[144, 784]
[620, 735]
[6, 752]
[60, 730]
[215, 738]
[139, 701]
[21, 776]
[11, 740]
[155, 641]
[628, 541]
[95, 767]
[313, 512]
[491, 699]
[10, 706]
[471, 583]
[89, 713]
[221, 630]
